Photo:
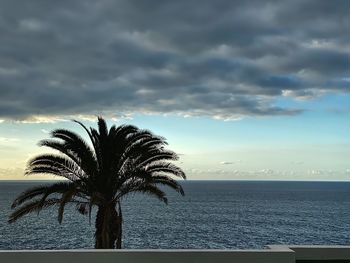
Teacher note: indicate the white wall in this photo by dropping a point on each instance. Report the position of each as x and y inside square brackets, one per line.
[147, 256]
[275, 254]
[318, 252]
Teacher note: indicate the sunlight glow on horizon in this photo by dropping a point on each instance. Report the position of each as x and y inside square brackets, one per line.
[249, 149]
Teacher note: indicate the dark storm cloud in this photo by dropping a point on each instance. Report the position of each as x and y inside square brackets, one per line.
[225, 59]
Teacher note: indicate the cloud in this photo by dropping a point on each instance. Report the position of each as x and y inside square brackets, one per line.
[230, 162]
[8, 140]
[18, 174]
[45, 131]
[10, 173]
[242, 174]
[266, 171]
[226, 163]
[322, 172]
[8, 144]
[226, 60]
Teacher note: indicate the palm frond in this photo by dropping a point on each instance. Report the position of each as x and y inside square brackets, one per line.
[60, 147]
[124, 133]
[82, 208]
[167, 181]
[44, 169]
[85, 162]
[102, 127]
[66, 197]
[164, 167]
[140, 148]
[33, 206]
[94, 142]
[29, 194]
[142, 186]
[61, 166]
[44, 190]
[99, 146]
[152, 191]
[123, 137]
[78, 146]
[155, 156]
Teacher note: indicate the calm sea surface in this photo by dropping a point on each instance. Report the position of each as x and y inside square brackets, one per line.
[213, 214]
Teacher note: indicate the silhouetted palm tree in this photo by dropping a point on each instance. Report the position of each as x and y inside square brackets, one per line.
[122, 160]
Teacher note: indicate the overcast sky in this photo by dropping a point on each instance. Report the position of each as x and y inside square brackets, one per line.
[264, 86]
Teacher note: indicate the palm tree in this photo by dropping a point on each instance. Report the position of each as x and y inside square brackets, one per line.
[121, 160]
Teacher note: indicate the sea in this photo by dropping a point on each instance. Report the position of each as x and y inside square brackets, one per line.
[212, 215]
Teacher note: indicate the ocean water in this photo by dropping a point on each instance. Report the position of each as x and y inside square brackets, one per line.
[213, 214]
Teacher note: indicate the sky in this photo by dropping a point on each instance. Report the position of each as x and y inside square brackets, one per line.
[246, 90]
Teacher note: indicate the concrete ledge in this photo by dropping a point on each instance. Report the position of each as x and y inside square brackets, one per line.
[274, 254]
[148, 256]
[318, 253]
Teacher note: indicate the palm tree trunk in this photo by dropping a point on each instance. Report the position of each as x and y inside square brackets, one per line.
[108, 228]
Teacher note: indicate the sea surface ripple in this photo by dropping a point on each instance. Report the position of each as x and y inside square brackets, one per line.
[213, 214]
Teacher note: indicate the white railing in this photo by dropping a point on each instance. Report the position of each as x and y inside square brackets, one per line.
[317, 252]
[274, 254]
